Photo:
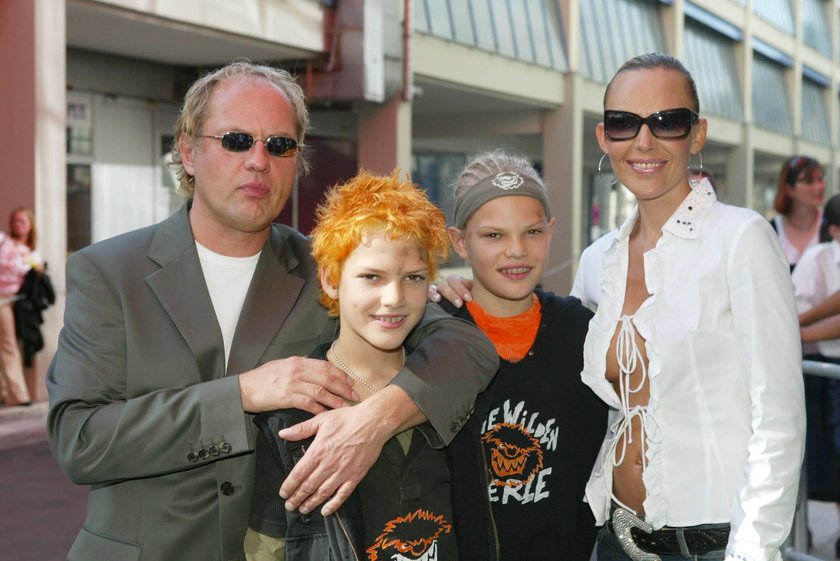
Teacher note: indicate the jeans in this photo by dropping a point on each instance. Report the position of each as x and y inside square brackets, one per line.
[607, 548]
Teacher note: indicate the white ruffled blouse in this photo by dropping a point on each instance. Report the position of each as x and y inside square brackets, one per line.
[725, 422]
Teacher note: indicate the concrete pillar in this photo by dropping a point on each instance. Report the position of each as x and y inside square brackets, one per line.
[740, 164]
[563, 172]
[385, 136]
[32, 71]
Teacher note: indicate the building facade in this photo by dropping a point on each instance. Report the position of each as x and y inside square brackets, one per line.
[92, 91]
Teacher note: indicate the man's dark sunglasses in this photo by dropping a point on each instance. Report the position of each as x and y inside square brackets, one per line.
[671, 124]
[235, 141]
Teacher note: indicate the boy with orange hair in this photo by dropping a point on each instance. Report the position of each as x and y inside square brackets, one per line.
[377, 245]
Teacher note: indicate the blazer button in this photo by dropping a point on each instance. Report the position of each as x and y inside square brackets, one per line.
[192, 457]
[214, 450]
[202, 453]
[225, 448]
[227, 488]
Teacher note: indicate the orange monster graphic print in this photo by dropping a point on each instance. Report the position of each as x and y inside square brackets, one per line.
[412, 537]
[515, 455]
[518, 443]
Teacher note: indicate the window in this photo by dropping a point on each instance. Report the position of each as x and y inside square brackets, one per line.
[526, 30]
[770, 97]
[710, 58]
[775, 12]
[815, 26]
[606, 43]
[814, 113]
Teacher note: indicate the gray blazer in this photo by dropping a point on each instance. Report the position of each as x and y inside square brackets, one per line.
[143, 411]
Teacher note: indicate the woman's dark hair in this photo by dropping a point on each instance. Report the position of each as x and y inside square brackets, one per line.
[659, 60]
[831, 217]
[795, 168]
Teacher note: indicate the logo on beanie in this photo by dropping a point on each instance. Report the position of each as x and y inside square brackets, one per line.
[507, 180]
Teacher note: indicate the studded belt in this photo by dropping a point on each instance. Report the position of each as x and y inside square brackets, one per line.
[692, 540]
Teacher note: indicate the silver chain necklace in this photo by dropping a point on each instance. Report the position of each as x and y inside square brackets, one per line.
[347, 369]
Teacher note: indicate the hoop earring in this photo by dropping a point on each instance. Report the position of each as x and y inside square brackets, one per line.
[601, 175]
[694, 181]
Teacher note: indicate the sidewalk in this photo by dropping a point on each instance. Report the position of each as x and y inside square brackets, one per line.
[45, 510]
[21, 425]
[22, 438]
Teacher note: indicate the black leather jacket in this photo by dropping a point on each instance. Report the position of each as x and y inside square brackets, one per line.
[312, 536]
[341, 535]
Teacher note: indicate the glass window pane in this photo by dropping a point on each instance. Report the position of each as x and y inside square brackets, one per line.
[769, 96]
[776, 12]
[605, 42]
[814, 113]
[552, 20]
[421, 22]
[501, 23]
[436, 172]
[525, 30]
[540, 37]
[815, 26]
[439, 22]
[522, 31]
[78, 206]
[485, 34]
[463, 22]
[710, 57]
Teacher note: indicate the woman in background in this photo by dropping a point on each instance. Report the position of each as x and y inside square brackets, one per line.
[816, 277]
[17, 256]
[800, 192]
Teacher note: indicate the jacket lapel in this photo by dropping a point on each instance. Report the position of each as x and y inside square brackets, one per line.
[180, 287]
[271, 296]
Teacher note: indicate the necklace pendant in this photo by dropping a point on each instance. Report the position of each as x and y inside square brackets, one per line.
[348, 370]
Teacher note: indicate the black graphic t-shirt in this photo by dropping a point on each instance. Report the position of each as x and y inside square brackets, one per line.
[407, 503]
[541, 435]
[402, 510]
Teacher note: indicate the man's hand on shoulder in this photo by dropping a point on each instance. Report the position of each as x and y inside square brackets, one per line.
[296, 382]
[347, 443]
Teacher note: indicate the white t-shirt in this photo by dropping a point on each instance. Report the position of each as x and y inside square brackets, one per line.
[228, 279]
[815, 278]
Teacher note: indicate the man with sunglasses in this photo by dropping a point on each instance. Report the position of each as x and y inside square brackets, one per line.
[176, 334]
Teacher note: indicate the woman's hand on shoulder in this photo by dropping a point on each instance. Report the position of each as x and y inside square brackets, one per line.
[454, 288]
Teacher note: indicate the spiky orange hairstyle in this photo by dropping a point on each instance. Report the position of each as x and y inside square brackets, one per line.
[375, 203]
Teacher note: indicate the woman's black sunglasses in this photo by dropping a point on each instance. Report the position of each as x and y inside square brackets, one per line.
[671, 124]
[235, 141]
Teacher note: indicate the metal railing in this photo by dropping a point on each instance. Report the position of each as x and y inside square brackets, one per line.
[796, 546]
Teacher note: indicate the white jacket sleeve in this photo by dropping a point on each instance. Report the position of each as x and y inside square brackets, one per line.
[767, 333]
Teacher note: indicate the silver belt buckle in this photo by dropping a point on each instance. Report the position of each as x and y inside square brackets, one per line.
[622, 521]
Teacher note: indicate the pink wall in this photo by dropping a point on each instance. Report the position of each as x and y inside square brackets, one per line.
[17, 110]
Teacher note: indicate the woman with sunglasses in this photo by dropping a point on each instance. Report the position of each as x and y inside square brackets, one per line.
[800, 193]
[694, 345]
